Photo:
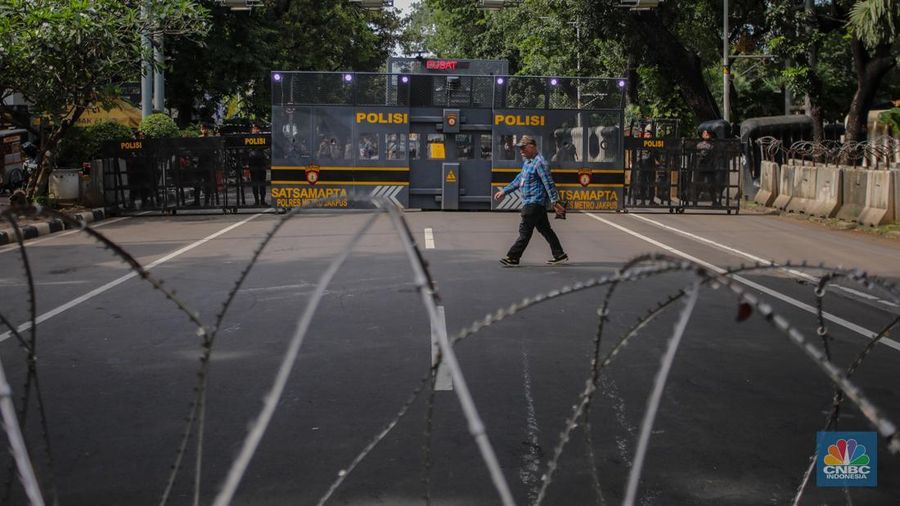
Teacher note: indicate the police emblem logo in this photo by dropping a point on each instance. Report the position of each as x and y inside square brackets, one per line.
[584, 176]
[312, 173]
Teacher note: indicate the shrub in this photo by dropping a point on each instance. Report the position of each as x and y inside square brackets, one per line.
[86, 144]
[159, 125]
[190, 131]
[892, 118]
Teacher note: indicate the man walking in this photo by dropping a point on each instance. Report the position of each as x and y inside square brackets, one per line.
[538, 192]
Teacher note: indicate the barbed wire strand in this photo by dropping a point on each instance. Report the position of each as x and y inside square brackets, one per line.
[485, 322]
[270, 401]
[590, 388]
[837, 400]
[196, 415]
[117, 250]
[426, 436]
[31, 378]
[17, 443]
[884, 426]
[662, 376]
[477, 429]
[603, 316]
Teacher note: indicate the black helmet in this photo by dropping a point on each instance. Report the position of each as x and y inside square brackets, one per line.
[29, 149]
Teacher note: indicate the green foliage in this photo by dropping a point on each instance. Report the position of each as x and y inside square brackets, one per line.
[68, 54]
[159, 125]
[86, 144]
[892, 118]
[242, 48]
[192, 130]
[875, 22]
[660, 98]
[64, 55]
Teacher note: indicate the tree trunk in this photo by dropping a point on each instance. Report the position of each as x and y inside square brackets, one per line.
[870, 70]
[631, 91]
[814, 111]
[47, 155]
[812, 102]
[682, 66]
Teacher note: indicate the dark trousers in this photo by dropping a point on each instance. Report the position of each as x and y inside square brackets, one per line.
[535, 216]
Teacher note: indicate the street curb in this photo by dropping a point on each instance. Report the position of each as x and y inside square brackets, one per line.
[49, 226]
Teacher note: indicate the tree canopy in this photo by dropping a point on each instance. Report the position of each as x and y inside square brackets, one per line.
[242, 48]
[64, 56]
[672, 55]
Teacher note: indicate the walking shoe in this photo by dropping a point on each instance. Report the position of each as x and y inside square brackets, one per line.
[558, 260]
[509, 262]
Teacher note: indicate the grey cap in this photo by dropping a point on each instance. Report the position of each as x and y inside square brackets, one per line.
[526, 139]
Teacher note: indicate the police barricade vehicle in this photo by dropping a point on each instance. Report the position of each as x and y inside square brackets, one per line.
[441, 134]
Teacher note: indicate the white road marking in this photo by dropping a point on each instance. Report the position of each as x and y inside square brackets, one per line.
[443, 380]
[429, 238]
[794, 272]
[530, 471]
[778, 295]
[116, 282]
[56, 235]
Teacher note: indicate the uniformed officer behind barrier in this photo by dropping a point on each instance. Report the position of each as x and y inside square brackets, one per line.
[643, 179]
[258, 163]
[709, 176]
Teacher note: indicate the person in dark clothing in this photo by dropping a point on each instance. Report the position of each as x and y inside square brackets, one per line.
[258, 163]
[707, 173]
[206, 172]
[644, 180]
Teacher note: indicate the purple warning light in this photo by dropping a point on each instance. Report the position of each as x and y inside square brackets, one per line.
[554, 81]
[404, 79]
[348, 77]
[499, 80]
[276, 77]
[621, 83]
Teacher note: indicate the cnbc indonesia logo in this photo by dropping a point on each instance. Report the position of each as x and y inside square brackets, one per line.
[846, 461]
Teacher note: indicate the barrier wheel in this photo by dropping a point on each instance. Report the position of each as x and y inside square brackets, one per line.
[671, 211]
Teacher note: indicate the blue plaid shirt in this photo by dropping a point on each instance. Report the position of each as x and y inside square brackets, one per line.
[535, 183]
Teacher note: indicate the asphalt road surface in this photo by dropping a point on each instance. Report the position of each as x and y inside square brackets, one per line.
[118, 362]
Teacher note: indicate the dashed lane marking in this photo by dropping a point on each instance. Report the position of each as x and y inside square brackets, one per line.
[443, 380]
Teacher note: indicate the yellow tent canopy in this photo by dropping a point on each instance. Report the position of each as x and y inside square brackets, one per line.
[122, 112]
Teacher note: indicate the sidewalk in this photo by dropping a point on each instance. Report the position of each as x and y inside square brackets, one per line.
[35, 227]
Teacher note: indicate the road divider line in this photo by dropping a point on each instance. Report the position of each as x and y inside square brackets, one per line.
[764, 289]
[794, 272]
[116, 282]
[429, 238]
[443, 380]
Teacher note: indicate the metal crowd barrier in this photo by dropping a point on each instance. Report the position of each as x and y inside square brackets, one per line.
[227, 173]
[679, 174]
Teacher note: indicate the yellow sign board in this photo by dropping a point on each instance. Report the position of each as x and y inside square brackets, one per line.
[436, 151]
[451, 177]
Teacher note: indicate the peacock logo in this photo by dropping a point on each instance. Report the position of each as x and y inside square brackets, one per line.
[846, 452]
